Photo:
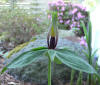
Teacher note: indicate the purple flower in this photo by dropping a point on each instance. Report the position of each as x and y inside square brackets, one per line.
[72, 19]
[60, 17]
[74, 11]
[71, 26]
[79, 15]
[57, 4]
[61, 21]
[58, 14]
[67, 22]
[85, 9]
[52, 3]
[61, 3]
[61, 13]
[74, 23]
[58, 8]
[49, 16]
[83, 42]
[63, 8]
[80, 6]
[78, 25]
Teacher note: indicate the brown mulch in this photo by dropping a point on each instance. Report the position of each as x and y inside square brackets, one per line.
[6, 79]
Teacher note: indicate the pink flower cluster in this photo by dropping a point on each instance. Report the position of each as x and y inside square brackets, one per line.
[67, 22]
[80, 6]
[49, 16]
[83, 42]
[69, 15]
[79, 15]
[59, 5]
[74, 11]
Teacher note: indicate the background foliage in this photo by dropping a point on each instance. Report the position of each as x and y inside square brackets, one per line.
[18, 25]
[70, 16]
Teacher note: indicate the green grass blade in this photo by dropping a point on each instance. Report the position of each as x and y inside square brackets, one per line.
[72, 77]
[85, 31]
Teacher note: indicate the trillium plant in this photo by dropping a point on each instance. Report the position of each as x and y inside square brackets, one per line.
[58, 55]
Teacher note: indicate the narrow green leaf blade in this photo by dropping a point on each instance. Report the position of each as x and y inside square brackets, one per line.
[39, 48]
[3, 70]
[85, 31]
[89, 37]
[93, 54]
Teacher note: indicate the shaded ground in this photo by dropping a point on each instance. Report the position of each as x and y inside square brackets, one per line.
[6, 79]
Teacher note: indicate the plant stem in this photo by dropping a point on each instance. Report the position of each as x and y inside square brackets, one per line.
[49, 72]
[79, 81]
[72, 76]
[90, 49]
[90, 61]
[90, 74]
[89, 79]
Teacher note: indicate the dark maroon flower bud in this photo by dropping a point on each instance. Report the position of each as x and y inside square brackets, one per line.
[52, 37]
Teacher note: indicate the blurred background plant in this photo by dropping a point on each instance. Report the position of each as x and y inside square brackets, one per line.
[70, 15]
[19, 25]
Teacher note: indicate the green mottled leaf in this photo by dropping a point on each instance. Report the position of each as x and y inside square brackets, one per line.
[65, 56]
[26, 58]
[74, 61]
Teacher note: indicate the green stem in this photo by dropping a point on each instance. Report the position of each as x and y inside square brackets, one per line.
[79, 81]
[72, 77]
[90, 48]
[90, 62]
[89, 79]
[49, 72]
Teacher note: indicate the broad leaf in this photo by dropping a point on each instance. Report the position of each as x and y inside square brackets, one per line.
[66, 56]
[27, 58]
[74, 61]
